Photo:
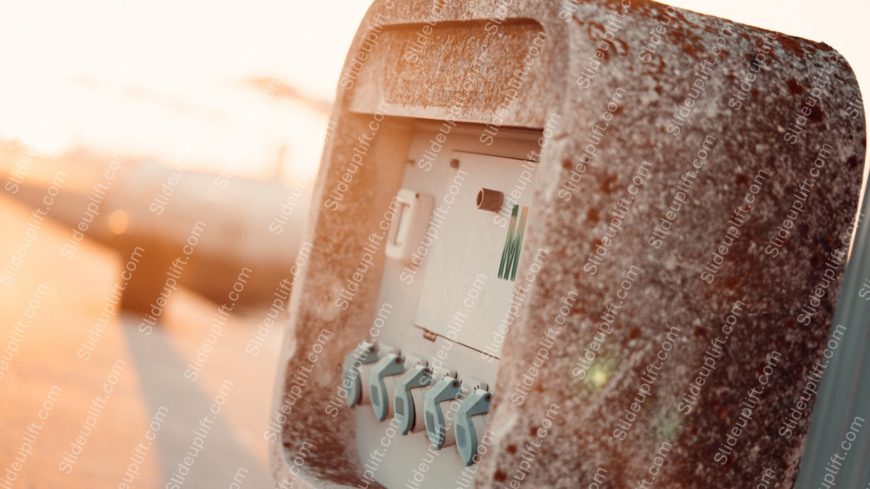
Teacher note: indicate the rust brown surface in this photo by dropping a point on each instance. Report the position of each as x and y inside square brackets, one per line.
[803, 105]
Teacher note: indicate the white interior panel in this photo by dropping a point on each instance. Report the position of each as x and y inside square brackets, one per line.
[464, 261]
[470, 241]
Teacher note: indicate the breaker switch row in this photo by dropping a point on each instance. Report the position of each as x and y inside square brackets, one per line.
[417, 398]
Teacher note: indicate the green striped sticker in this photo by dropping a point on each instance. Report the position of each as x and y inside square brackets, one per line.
[510, 255]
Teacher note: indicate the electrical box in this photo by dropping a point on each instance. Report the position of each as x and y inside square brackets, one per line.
[566, 244]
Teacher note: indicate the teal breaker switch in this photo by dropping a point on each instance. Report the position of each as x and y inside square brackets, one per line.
[471, 410]
[403, 403]
[390, 365]
[447, 389]
[364, 354]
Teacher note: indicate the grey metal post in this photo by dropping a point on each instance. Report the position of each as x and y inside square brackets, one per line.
[844, 395]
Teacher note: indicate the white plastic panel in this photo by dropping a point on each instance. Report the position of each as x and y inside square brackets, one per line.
[471, 261]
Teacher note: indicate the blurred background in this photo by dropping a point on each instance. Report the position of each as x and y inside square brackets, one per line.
[122, 125]
[179, 140]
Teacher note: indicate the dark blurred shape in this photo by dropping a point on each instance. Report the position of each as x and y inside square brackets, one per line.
[239, 223]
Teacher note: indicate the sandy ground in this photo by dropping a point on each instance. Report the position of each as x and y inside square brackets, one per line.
[69, 422]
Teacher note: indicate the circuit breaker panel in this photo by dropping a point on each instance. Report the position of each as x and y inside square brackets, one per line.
[421, 385]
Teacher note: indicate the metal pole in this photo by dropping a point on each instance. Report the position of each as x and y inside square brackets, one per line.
[837, 452]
